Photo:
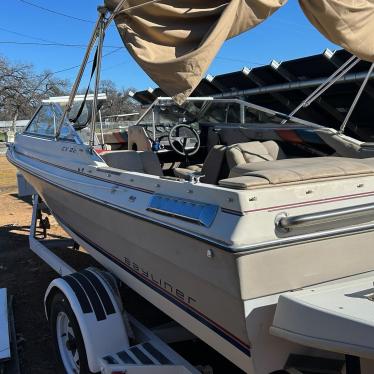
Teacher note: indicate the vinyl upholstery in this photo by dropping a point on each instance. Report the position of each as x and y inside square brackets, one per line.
[140, 162]
[212, 169]
[298, 171]
[253, 152]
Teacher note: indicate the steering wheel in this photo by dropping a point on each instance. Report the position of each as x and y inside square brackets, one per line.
[179, 143]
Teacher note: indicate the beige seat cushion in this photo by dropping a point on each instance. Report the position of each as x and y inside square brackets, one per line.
[185, 173]
[140, 162]
[350, 167]
[243, 183]
[195, 167]
[299, 170]
[256, 151]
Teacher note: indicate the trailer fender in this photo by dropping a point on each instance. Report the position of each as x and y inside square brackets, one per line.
[97, 309]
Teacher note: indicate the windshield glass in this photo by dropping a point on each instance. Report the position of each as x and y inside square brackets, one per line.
[47, 119]
[213, 111]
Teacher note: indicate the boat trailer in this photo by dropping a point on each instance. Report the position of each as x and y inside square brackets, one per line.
[98, 319]
[87, 316]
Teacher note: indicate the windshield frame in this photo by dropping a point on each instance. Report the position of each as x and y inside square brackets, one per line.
[206, 104]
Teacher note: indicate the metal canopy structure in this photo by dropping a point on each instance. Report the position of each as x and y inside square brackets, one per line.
[281, 86]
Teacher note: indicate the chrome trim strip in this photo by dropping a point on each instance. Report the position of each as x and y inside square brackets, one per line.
[257, 247]
[285, 222]
[305, 238]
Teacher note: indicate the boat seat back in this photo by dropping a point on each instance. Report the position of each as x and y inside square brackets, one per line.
[213, 169]
[140, 162]
[244, 153]
[138, 139]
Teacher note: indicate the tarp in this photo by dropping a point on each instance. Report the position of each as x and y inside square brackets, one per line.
[174, 41]
[348, 23]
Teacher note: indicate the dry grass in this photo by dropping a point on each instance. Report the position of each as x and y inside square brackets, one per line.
[8, 180]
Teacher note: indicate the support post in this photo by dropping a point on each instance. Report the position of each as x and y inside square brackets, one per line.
[39, 248]
[101, 31]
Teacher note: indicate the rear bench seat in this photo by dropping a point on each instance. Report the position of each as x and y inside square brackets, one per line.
[299, 170]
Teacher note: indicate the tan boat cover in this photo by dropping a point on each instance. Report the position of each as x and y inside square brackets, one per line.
[348, 23]
[174, 41]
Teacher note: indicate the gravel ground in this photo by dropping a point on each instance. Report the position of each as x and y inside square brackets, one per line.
[27, 277]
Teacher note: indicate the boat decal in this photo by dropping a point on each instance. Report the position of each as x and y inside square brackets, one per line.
[289, 136]
[92, 295]
[101, 291]
[79, 293]
[243, 347]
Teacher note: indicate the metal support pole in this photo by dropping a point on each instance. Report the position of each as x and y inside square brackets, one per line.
[119, 6]
[359, 93]
[328, 84]
[155, 121]
[339, 73]
[98, 71]
[99, 29]
[77, 82]
[242, 114]
[40, 249]
[101, 128]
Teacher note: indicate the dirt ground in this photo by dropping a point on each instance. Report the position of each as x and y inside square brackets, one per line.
[27, 277]
[24, 275]
[7, 175]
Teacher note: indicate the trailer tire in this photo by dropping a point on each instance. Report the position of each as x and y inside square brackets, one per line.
[67, 336]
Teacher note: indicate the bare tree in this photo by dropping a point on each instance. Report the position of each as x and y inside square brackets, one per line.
[21, 89]
[118, 101]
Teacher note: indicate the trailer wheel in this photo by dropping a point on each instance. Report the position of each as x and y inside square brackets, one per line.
[67, 337]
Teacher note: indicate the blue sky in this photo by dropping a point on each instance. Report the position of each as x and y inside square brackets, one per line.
[286, 35]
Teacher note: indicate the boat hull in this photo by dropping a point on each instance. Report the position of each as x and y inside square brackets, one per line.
[146, 257]
[223, 294]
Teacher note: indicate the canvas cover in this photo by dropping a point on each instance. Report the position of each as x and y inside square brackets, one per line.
[348, 23]
[174, 41]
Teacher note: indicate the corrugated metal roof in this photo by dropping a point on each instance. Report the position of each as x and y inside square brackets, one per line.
[328, 110]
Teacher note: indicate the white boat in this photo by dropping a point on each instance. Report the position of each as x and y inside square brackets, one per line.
[260, 248]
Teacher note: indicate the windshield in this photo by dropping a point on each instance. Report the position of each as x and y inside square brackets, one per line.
[165, 113]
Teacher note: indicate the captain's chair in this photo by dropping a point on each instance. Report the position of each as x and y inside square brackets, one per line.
[140, 162]
[213, 169]
[241, 156]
